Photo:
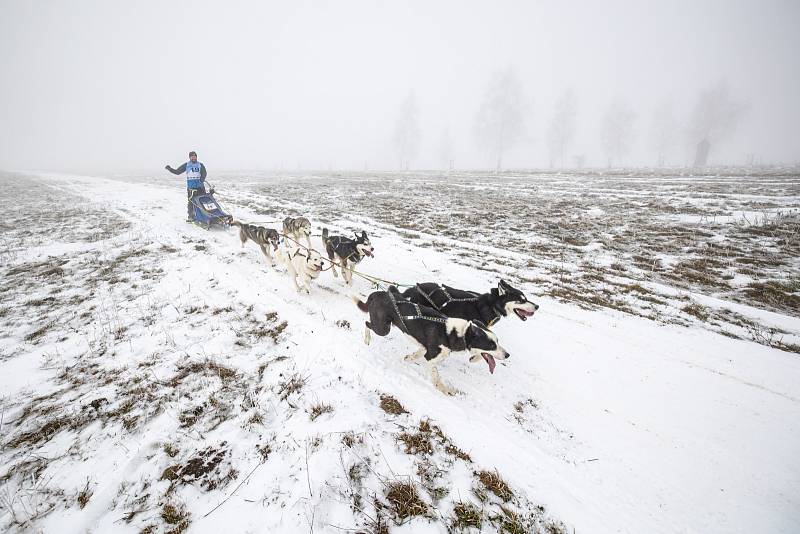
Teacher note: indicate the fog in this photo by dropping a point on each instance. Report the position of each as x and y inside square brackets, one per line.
[120, 86]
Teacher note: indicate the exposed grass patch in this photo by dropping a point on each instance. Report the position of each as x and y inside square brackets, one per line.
[404, 501]
[697, 310]
[204, 469]
[264, 451]
[171, 450]
[391, 405]
[466, 515]
[48, 429]
[291, 385]
[416, 442]
[39, 332]
[84, 496]
[318, 409]
[349, 439]
[776, 294]
[176, 517]
[206, 367]
[255, 331]
[494, 483]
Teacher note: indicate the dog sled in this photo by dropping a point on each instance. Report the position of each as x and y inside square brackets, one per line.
[207, 211]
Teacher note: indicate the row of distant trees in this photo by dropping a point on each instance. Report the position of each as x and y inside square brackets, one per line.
[499, 126]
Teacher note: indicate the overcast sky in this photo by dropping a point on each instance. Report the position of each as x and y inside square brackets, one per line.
[117, 86]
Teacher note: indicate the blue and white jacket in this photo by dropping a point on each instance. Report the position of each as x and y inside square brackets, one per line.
[195, 174]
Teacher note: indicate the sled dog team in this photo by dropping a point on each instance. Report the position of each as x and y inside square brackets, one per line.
[438, 318]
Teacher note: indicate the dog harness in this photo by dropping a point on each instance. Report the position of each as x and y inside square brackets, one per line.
[297, 253]
[446, 294]
[450, 298]
[339, 239]
[420, 316]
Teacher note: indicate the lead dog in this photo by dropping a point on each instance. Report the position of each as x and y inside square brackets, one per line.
[348, 251]
[297, 229]
[437, 334]
[303, 264]
[488, 308]
[263, 237]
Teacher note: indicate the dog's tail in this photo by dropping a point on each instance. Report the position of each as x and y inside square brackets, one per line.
[325, 237]
[361, 305]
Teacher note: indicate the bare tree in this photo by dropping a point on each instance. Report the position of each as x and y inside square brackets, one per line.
[498, 123]
[664, 130]
[616, 131]
[715, 117]
[406, 131]
[561, 129]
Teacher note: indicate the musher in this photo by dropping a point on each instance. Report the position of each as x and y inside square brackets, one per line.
[195, 178]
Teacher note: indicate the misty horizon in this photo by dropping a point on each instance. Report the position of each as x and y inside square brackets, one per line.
[381, 86]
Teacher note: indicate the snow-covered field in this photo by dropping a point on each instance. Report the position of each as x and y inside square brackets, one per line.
[157, 377]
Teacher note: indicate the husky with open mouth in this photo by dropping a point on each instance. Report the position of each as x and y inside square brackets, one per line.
[437, 334]
[261, 236]
[347, 252]
[488, 308]
[304, 265]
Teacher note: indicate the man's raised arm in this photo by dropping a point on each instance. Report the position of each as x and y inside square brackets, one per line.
[179, 170]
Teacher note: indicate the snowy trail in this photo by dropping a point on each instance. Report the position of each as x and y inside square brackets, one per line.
[625, 425]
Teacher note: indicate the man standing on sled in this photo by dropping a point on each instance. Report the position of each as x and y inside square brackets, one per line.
[195, 176]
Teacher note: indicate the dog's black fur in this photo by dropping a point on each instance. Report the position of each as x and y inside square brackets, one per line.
[261, 236]
[437, 334]
[488, 308]
[348, 251]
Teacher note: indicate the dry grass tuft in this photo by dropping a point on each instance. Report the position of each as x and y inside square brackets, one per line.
[84, 496]
[171, 450]
[404, 501]
[697, 310]
[494, 483]
[466, 515]
[391, 405]
[416, 443]
[176, 517]
[293, 384]
[203, 468]
[319, 409]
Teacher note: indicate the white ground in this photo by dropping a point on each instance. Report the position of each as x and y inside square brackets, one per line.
[623, 424]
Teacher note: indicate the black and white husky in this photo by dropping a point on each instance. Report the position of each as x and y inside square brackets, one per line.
[437, 334]
[261, 236]
[488, 308]
[298, 228]
[346, 251]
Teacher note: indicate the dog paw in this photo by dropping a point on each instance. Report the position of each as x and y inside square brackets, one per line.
[447, 390]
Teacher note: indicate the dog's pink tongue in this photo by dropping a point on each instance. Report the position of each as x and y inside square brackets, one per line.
[490, 360]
